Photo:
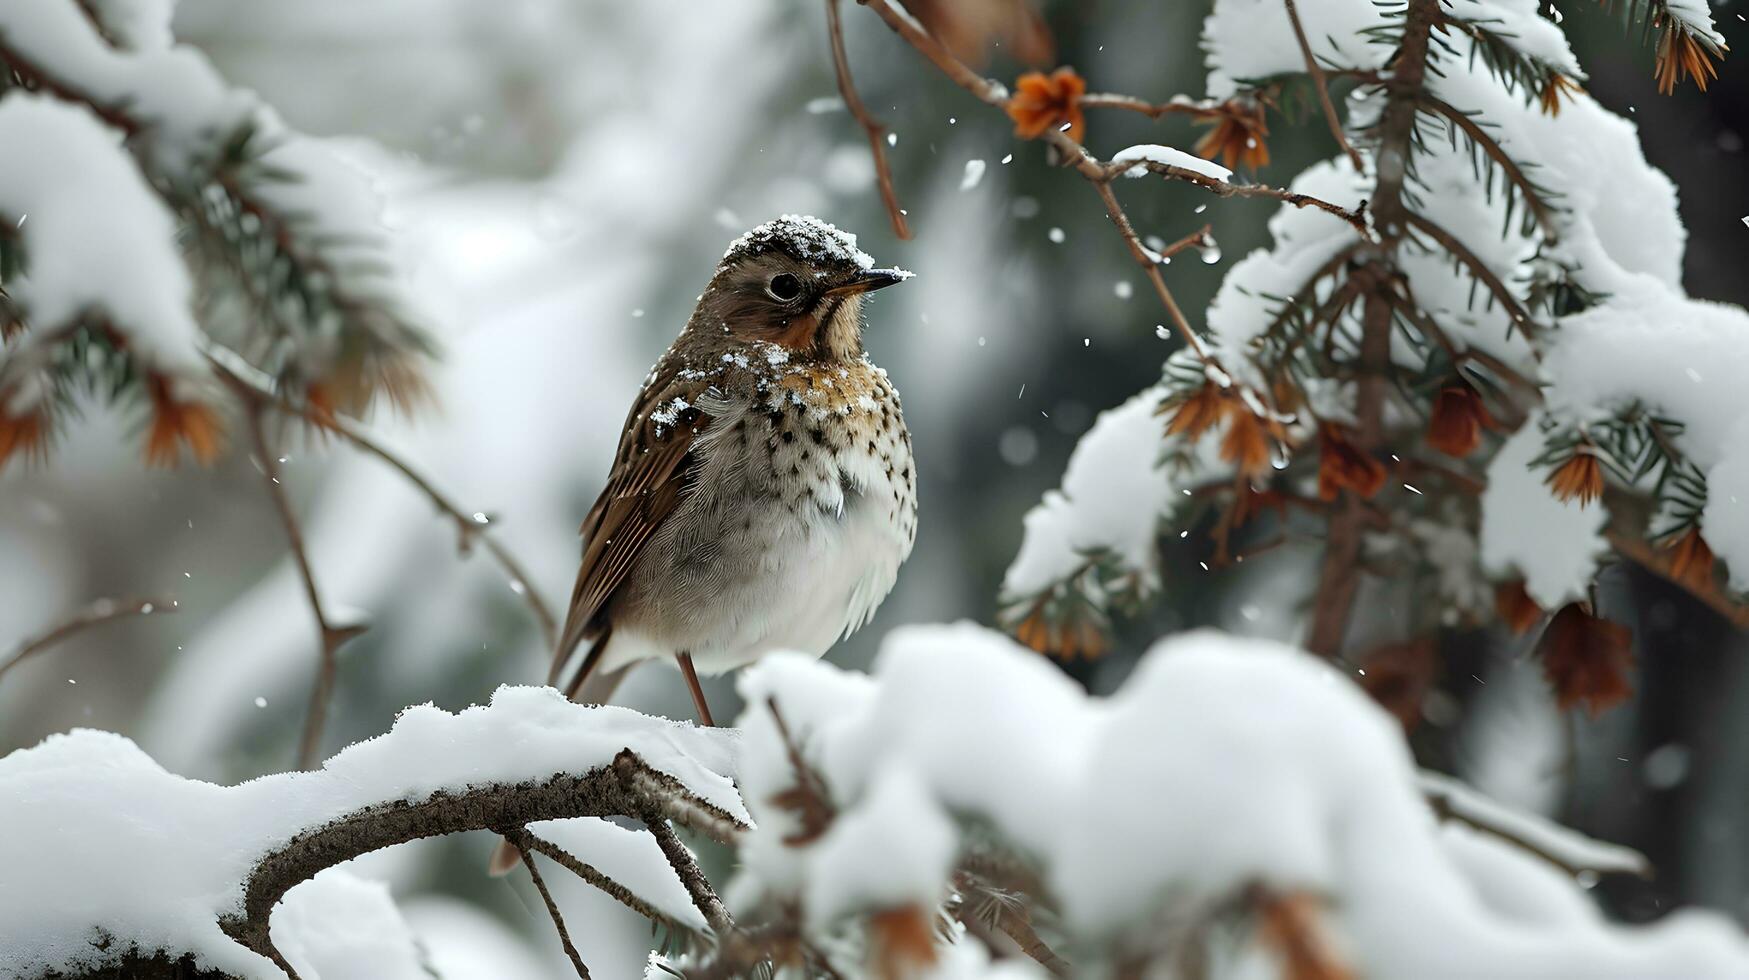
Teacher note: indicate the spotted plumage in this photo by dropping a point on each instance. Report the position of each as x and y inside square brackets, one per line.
[763, 494]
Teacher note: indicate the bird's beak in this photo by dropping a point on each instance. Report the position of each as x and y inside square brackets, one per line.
[869, 280]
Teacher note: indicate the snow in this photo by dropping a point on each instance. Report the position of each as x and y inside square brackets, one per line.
[1168, 157]
[1527, 531]
[340, 927]
[1114, 494]
[894, 848]
[973, 176]
[162, 877]
[804, 236]
[95, 235]
[1568, 846]
[1248, 40]
[1220, 763]
[186, 108]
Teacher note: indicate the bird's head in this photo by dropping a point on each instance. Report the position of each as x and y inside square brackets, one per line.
[797, 282]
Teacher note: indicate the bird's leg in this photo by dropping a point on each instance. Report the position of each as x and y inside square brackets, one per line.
[698, 702]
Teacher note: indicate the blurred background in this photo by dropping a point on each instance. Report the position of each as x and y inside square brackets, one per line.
[562, 178]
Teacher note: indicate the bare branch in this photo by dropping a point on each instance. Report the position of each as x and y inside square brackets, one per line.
[1356, 217]
[1323, 85]
[1566, 849]
[675, 802]
[876, 131]
[469, 527]
[520, 838]
[330, 635]
[570, 862]
[96, 614]
[502, 808]
[691, 875]
[1178, 105]
[1712, 596]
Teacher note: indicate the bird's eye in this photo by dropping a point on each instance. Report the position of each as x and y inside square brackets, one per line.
[783, 287]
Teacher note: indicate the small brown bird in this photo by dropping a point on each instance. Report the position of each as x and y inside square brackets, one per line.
[763, 494]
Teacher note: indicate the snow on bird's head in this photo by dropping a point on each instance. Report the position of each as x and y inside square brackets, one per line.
[802, 237]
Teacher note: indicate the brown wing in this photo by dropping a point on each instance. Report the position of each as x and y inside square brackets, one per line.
[652, 470]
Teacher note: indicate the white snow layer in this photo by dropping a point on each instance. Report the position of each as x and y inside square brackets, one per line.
[100, 837]
[1116, 490]
[1614, 229]
[1168, 157]
[1221, 763]
[1527, 532]
[96, 238]
[1248, 40]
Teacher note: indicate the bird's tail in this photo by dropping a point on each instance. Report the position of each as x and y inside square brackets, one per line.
[590, 686]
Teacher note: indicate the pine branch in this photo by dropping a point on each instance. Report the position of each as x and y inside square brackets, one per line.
[1514, 174]
[1477, 268]
[1333, 604]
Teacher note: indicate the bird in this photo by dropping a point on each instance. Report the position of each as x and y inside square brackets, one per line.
[763, 494]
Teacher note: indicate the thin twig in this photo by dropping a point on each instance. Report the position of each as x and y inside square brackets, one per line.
[1098, 173]
[1323, 86]
[570, 862]
[96, 614]
[1179, 105]
[1647, 557]
[519, 838]
[994, 94]
[1356, 217]
[674, 801]
[1451, 800]
[876, 130]
[1203, 237]
[331, 636]
[698, 887]
[468, 528]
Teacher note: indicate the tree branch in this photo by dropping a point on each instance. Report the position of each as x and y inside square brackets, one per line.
[1356, 217]
[330, 635]
[503, 808]
[1514, 173]
[1178, 105]
[520, 838]
[468, 527]
[1323, 85]
[1339, 576]
[570, 862]
[96, 614]
[1461, 252]
[691, 875]
[873, 127]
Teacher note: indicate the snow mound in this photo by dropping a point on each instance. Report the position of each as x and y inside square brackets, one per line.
[102, 843]
[1221, 764]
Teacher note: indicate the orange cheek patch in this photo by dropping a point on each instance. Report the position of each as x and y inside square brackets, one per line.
[799, 335]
